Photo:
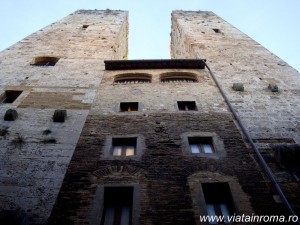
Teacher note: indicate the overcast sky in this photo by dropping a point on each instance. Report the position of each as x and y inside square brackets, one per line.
[272, 23]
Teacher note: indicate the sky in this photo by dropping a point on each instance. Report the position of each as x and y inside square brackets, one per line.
[272, 23]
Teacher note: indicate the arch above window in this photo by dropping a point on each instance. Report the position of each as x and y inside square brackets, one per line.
[178, 77]
[45, 61]
[132, 78]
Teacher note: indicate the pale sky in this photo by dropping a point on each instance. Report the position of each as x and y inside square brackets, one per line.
[272, 23]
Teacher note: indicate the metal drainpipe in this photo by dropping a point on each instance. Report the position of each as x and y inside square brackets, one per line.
[261, 159]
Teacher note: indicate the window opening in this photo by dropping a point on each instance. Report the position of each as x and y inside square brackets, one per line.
[124, 146]
[132, 78]
[218, 200]
[10, 96]
[117, 206]
[178, 77]
[187, 105]
[45, 61]
[201, 145]
[129, 106]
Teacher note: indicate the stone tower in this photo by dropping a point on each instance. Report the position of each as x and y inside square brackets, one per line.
[269, 105]
[144, 141]
[57, 68]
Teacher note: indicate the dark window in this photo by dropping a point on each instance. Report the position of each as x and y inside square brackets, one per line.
[10, 96]
[85, 26]
[124, 146]
[117, 206]
[129, 106]
[45, 61]
[201, 145]
[187, 105]
[218, 200]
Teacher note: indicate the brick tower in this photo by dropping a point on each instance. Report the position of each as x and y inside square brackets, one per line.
[114, 141]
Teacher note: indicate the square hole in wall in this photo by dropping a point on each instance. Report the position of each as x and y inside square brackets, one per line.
[10, 96]
[129, 106]
[186, 106]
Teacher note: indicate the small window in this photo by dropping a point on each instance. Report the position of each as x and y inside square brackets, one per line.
[10, 96]
[45, 61]
[129, 106]
[201, 145]
[124, 146]
[186, 105]
[85, 26]
[135, 78]
[218, 200]
[118, 203]
[178, 77]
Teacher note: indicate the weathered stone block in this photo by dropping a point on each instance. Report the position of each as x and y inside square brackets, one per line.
[11, 115]
[238, 87]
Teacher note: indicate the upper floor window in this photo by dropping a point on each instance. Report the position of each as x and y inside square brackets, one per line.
[129, 106]
[201, 145]
[85, 26]
[124, 146]
[132, 78]
[178, 77]
[10, 96]
[186, 105]
[218, 200]
[118, 204]
[45, 61]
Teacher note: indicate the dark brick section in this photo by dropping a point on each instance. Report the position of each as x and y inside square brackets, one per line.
[163, 169]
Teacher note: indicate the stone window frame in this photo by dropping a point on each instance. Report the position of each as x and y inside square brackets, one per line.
[108, 147]
[97, 205]
[218, 145]
[200, 198]
[240, 199]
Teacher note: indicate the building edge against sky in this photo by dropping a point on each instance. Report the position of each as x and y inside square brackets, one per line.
[37, 151]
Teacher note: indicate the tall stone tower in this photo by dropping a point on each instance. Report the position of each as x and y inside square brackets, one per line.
[114, 141]
[57, 68]
[269, 104]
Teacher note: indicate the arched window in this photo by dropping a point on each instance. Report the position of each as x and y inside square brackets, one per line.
[178, 77]
[45, 61]
[132, 78]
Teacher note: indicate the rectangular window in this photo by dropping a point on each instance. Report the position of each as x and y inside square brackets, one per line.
[10, 96]
[124, 146]
[201, 145]
[129, 106]
[187, 105]
[117, 206]
[218, 200]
